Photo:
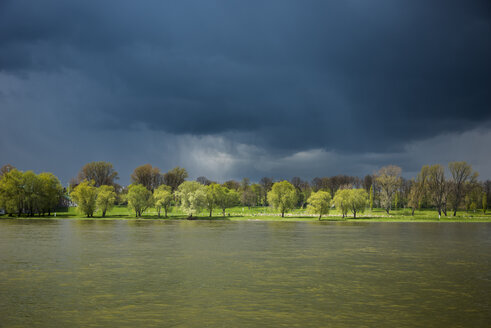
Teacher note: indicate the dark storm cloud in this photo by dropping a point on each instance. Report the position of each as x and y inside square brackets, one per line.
[300, 74]
[284, 76]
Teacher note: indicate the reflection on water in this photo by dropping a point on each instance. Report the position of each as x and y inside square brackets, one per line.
[247, 274]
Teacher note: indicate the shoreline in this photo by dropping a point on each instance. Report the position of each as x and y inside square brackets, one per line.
[263, 219]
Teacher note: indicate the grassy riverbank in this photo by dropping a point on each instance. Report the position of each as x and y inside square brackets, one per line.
[268, 214]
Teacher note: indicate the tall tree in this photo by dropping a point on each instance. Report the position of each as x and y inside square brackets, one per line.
[106, 196]
[148, 176]
[192, 197]
[282, 196]
[52, 192]
[224, 197]
[85, 196]
[163, 199]
[319, 203]
[461, 173]
[388, 179]
[12, 192]
[437, 188]
[102, 173]
[266, 184]
[139, 198]
[175, 177]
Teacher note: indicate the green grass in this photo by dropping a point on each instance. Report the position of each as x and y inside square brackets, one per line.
[268, 214]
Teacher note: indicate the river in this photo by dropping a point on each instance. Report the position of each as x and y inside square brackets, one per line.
[151, 273]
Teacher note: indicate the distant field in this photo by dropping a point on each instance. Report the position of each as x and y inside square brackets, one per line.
[268, 214]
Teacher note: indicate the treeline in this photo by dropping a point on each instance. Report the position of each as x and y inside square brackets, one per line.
[95, 188]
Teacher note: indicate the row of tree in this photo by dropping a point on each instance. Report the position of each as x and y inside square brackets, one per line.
[28, 193]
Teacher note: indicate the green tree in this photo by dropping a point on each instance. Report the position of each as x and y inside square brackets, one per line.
[224, 197]
[85, 195]
[106, 197]
[51, 193]
[32, 193]
[388, 179]
[211, 198]
[319, 203]
[341, 201]
[357, 201]
[282, 197]
[163, 199]
[139, 198]
[175, 177]
[354, 200]
[192, 197]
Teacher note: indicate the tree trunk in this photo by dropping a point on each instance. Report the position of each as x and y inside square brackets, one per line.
[354, 214]
[412, 212]
[282, 214]
[103, 213]
[223, 212]
[211, 211]
[165, 210]
[387, 210]
[320, 215]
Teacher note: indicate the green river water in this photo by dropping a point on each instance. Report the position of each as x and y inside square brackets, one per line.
[76, 273]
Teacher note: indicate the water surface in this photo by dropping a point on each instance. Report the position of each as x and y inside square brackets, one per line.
[71, 273]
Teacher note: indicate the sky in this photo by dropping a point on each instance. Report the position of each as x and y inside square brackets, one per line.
[232, 89]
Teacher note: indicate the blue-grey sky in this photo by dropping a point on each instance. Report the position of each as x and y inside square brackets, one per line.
[229, 89]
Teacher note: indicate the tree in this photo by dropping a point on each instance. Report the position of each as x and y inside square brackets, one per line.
[163, 199]
[204, 181]
[211, 201]
[341, 201]
[85, 195]
[224, 197]
[139, 198]
[106, 196]
[437, 188]
[102, 173]
[175, 177]
[357, 201]
[6, 169]
[148, 176]
[232, 185]
[51, 192]
[192, 197]
[266, 184]
[388, 179]
[32, 193]
[461, 174]
[418, 189]
[282, 196]
[319, 203]
[371, 196]
[354, 200]
[484, 202]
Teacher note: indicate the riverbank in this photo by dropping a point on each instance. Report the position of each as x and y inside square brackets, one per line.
[267, 214]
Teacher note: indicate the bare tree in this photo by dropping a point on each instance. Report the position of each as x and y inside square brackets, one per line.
[146, 175]
[418, 189]
[438, 188]
[102, 173]
[388, 179]
[462, 173]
